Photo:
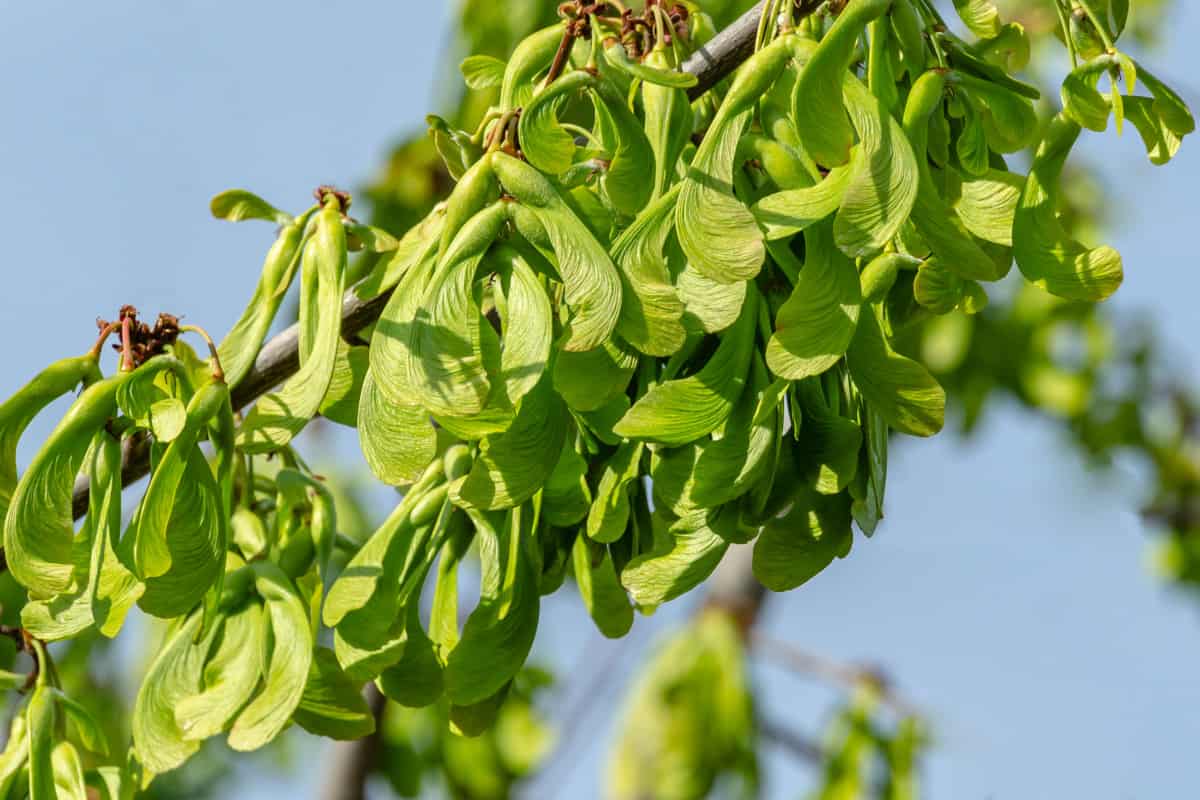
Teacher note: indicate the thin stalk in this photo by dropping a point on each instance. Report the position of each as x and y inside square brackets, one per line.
[217, 373]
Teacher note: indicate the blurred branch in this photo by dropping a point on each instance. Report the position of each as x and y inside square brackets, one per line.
[350, 762]
[850, 676]
[796, 744]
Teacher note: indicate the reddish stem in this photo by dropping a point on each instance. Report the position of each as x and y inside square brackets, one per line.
[126, 344]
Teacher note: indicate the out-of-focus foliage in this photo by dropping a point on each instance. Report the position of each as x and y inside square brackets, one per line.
[420, 755]
[688, 722]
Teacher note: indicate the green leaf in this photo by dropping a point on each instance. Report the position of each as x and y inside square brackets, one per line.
[371, 583]
[566, 497]
[477, 718]
[602, 593]
[499, 633]
[482, 72]
[632, 159]
[619, 58]
[287, 669]
[818, 104]
[14, 760]
[1082, 101]
[868, 489]
[980, 16]
[230, 676]
[70, 613]
[84, 725]
[345, 386]
[668, 122]
[716, 230]
[446, 369]
[987, 204]
[41, 719]
[709, 306]
[529, 59]
[39, 528]
[898, 388]
[1161, 142]
[416, 679]
[68, 773]
[236, 205]
[679, 411]
[590, 280]
[828, 443]
[369, 238]
[513, 466]
[240, 346]
[712, 472]
[279, 416]
[398, 441]
[651, 318]
[332, 705]
[418, 245]
[937, 288]
[883, 181]
[528, 325]
[814, 327]
[591, 379]
[793, 548]
[174, 675]
[879, 275]
[608, 516]
[685, 553]
[1168, 106]
[971, 146]
[177, 532]
[784, 214]
[546, 144]
[1009, 119]
[932, 216]
[1047, 256]
[19, 410]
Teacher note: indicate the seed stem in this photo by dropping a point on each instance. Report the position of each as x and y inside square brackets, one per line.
[105, 332]
[217, 373]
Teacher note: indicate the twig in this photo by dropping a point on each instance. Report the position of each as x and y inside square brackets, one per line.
[849, 676]
[794, 743]
[724, 53]
[351, 762]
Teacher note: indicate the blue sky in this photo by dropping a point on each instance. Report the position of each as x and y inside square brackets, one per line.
[1007, 592]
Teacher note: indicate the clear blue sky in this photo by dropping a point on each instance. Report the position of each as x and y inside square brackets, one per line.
[1007, 592]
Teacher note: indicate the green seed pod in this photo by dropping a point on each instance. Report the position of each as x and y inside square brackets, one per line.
[880, 274]
[428, 506]
[39, 528]
[906, 25]
[475, 191]
[19, 410]
[817, 106]
[240, 347]
[457, 460]
[533, 55]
